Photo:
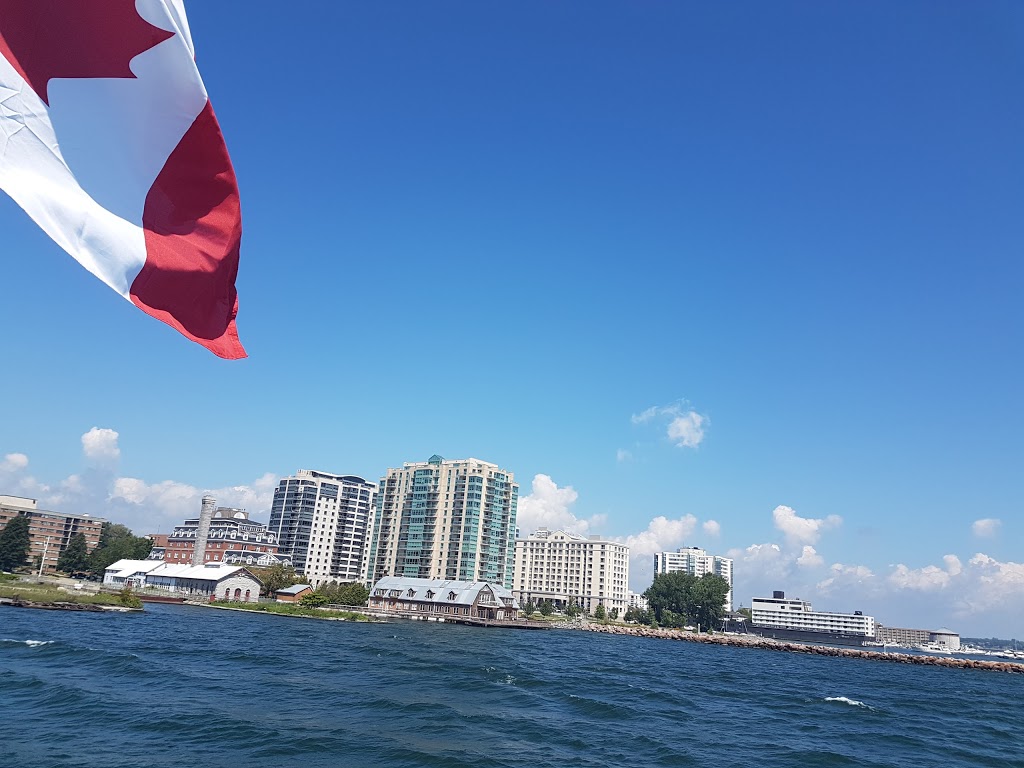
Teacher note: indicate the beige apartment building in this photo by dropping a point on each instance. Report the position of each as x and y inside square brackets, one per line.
[50, 532]
[568, 568]
[444, 519]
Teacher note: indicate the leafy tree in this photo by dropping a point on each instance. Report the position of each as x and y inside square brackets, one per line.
[681, 598]
[117, 542]
[353, 593]
[546, 608]
[275, 577]
[75, 556]
[614, 614]
[745, 613]
[572, 610]
[128, 599]
[529, 607]
[14, 544]
[599, 612]
[314, 600]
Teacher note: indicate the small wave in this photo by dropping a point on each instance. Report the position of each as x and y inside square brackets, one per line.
[851, 702]
[29, 643]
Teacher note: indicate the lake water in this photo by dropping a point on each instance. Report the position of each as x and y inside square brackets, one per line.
[183, 686]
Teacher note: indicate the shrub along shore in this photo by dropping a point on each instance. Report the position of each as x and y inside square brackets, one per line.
[765, 643]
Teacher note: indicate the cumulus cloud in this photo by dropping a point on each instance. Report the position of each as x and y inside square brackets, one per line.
[802, 530]
[927, 579]
[661, 535]
[168, 502]
[712, 528]
[550, 506]
[809, 558]
[842, 576]
[13, 462]
[986, 528]
[101, 445]
[684, 426]
[144, 507]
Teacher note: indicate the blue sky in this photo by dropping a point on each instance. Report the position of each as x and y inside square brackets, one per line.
[541, 235]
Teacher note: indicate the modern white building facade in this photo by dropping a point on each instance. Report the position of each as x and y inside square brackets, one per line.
[445, 519]
[567, 568]
[322, 521]
[697, 562]
[779, 613]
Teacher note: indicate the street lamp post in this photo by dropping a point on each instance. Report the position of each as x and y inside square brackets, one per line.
[42, 560]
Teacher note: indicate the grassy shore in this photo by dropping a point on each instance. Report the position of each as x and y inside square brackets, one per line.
[290, 609]
[48, 594]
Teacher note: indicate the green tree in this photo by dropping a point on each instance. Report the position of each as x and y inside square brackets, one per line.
[529, 607]
[314, 600]
[353, 593]
[129, 599]
[117, 542]
[75, 556]
[546, 608]
[614, 614]
[275, 577]
[14, 544]
[572, 610]
[599, 612]
[676, 599]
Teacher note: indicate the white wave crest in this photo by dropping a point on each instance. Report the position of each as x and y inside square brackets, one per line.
[29, 643]
[851, 702]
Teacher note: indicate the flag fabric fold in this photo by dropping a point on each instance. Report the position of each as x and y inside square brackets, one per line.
[109, 142]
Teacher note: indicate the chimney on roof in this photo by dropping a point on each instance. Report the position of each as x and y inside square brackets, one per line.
[199, 553]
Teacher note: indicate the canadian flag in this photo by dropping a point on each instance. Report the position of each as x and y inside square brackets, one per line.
[108, 141]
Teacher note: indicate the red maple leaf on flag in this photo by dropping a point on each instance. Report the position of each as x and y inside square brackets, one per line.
[44, 39]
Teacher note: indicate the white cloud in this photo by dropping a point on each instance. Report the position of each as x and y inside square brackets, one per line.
[549, 506]
[712, 528]
[986, 528]
[809, 558]
[622, 456]
[661, 535]
[14, 462]
[101, 445]
[685, 427]
[802, 530]
[687, 431]
[845, 576]
[927, 579]
[162, 504]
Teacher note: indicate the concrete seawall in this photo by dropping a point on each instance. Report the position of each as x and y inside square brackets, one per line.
[751, 641]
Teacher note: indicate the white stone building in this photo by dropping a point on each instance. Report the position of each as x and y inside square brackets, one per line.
[696, 562]
[202, 582]
[567, 568]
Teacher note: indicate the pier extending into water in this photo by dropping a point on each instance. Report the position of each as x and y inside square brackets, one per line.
[768, 644]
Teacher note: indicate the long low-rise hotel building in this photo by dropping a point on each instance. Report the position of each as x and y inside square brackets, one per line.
[794, 619]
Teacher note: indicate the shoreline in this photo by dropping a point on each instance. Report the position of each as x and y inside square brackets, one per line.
[768, 644]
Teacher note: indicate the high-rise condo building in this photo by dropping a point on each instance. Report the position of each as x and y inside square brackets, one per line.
[445, 519]
[697, 562]
[321, 521]
[567, 568]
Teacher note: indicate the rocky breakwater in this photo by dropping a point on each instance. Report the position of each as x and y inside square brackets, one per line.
[764, 643]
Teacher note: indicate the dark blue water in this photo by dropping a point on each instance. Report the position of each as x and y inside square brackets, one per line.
[182, 686]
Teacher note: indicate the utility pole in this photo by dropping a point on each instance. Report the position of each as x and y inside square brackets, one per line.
[42, 560]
